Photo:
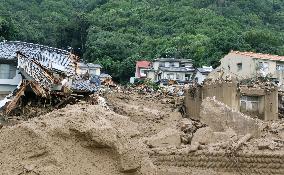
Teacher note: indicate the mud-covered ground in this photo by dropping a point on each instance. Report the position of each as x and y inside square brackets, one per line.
[129, 133]
[153, 113]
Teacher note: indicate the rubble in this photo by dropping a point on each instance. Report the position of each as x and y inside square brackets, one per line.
[220, 117]
[139, 129]
[204, 136]
[167, 137]
[54, 143]
[48, 74]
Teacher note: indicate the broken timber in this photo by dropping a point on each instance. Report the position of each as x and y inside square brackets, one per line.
[46, 72]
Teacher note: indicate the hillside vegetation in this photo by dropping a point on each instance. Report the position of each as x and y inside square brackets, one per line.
[118, 33]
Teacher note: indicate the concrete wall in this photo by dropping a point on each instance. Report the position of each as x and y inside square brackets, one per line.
[250, 66]
[219, 117]
[230, 94]
[192, 102]
[223, 92]
[271, 106]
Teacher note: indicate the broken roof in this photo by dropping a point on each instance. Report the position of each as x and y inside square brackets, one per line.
[260, 55]
[48, 57]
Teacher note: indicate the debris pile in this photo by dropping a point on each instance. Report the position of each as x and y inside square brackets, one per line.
[73, 140]
[48, 74]
[140, 134]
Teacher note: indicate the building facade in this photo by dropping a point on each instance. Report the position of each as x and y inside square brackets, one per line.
[9, 77]
[180, 70]
[258, 102]
[246, 65]
[202, 73]
[90, 68]
[141, 69]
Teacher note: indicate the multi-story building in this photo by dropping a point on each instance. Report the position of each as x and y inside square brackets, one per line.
[90, 68]
[202, 73]
[246, 65]
[180, 70]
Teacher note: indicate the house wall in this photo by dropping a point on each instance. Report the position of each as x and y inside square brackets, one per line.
[229, 94]
[156, 65]
[279, 74]
[223, 92]
[151, 75]
[250, 66]
[143, 72]
[95, 71]
[92, 71]
[174, 76]
[9, 85]
[82, 71]
[200, 77]
[230, 65]
[192, 102]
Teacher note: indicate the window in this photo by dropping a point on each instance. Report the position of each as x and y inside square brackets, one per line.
[263, 66]
[249, 103]
[173, 64]
[7, 71]
[170, 76]
[240, 66]
[161, 64]
[178, 76]
[187, 77]
[279, 67]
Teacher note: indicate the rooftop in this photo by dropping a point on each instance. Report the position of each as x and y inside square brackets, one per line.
[143, 64]
[173, 60]
[177, 69]
[88, 65]
[205, 70]
[260, 55]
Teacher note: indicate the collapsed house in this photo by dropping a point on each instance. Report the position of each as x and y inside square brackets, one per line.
[46, 73]
[254, 98]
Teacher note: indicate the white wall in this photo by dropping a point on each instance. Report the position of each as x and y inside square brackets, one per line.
[96, 71]
[14, 82]
[156, 65]
[9, 85]
[174, 75]
[151, 75]
[200, 77]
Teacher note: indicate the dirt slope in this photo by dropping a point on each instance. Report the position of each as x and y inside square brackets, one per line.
[79, 139]
[152, 113]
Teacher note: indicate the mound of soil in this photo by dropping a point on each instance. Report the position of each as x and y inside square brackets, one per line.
[79, 139]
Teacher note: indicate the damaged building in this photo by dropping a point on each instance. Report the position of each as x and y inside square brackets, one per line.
[254, 98]
[43, 73]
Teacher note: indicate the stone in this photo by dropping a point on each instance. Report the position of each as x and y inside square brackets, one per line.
[204, 136]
